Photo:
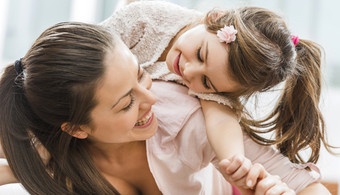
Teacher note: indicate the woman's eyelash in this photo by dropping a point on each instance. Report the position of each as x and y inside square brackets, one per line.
[130, 104]
[199, 54]
[131, 95]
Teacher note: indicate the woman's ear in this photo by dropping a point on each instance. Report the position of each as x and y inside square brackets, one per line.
[78, 133]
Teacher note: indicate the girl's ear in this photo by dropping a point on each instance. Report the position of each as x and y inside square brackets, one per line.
[78, 133]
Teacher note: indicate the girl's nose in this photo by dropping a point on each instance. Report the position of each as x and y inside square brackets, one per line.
[191, 71]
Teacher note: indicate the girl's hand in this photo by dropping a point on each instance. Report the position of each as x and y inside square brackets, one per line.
[236, 169]
[252, 178]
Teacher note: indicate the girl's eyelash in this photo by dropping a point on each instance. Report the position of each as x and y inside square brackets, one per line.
[205, 83]
[199, 54]
[130, 104]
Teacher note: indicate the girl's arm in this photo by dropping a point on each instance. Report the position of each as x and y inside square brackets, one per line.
[223, 129]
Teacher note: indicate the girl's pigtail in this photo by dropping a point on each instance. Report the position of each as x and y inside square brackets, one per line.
[298, 120]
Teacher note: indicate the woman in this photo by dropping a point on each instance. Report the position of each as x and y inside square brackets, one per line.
[81, 94]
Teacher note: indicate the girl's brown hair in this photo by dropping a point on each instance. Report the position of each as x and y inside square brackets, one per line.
[263, 56]
[60, 73]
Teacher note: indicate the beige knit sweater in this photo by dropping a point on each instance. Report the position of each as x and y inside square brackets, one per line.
[147, 27]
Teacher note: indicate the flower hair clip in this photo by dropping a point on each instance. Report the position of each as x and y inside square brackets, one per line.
[227, 34]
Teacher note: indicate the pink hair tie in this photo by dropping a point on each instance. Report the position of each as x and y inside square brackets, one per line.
[295, 39]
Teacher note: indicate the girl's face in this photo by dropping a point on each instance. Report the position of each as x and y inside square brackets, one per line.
[123, 112]
[201, 60]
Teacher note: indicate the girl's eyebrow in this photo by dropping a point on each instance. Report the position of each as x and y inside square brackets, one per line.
[212, 85]
[206, 52]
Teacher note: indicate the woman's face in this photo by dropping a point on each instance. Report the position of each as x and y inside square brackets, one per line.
[123, 112]
[201, 60]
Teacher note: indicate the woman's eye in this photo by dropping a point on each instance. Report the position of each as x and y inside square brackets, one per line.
[130, 104]
[199, 54]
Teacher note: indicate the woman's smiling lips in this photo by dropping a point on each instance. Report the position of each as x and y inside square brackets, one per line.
[176, 65]
[145, 120]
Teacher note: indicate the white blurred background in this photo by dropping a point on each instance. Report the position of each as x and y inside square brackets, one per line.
[21, 22]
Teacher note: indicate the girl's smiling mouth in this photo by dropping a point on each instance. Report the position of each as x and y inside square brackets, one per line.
[176, 65]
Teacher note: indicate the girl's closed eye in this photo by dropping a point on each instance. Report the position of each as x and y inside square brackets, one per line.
[205, 82]
[199, 54]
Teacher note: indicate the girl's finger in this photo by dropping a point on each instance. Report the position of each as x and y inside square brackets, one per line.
[256, 172]
[235, 163]
[242, 171]
[265, 184]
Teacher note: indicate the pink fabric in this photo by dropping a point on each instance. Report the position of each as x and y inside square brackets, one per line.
[180, 157]
[236, 191]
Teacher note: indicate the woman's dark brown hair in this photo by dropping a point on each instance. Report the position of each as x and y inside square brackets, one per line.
[60, 73]
[263, 56]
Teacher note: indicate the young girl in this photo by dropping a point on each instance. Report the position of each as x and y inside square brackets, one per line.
[228, 56]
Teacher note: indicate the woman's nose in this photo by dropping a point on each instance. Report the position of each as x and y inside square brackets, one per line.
[147, 97]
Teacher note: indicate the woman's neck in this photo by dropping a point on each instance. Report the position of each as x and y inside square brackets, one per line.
[125, 164]
[116, 152]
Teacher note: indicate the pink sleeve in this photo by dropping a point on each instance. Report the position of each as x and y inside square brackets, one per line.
[294, 175]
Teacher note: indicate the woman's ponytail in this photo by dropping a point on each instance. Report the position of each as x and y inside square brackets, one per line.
[16, 121]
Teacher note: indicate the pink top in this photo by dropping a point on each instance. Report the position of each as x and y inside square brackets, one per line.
[180, 157]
